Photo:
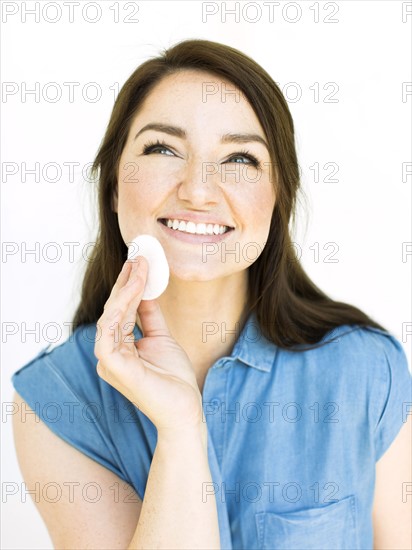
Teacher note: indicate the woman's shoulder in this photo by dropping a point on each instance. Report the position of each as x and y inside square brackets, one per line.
[366, 353]
[72, 362]
[363, 342]
[355, 362]
[365, 371]
[379, 359]
[62, 386]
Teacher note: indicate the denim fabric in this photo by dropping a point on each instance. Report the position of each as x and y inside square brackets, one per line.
[293, 436]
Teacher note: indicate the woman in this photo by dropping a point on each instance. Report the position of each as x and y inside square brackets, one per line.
[243, 408]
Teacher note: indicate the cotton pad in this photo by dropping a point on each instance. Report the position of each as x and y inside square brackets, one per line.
[158, 272]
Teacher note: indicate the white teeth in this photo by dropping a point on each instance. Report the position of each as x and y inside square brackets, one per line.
[191, 227]
[199, 228]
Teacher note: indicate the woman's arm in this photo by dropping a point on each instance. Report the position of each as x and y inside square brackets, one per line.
[173, 514]
[392, 510]
[177, 510]
[83, 504]
[156, 374]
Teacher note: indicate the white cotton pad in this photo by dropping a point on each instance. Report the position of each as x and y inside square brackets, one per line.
[158, 273]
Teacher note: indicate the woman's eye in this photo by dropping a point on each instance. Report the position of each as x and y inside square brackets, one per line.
[250, 158]
[155, 147]
[158, 147]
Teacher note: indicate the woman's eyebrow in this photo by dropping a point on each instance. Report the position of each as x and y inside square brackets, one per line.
[181, 133]
[165, 128]
[243, 138]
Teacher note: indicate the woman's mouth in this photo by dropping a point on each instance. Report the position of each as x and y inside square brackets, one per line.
[195, 233]
[195, 228]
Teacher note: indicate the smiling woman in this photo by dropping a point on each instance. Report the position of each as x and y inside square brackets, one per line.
[257, 405]
[197, 177]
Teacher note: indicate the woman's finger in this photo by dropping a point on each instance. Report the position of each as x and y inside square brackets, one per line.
[151, 317]
[107, 335]
[124, 274]
[121, 295]
[121, 280]
[118, 319]
[129, 319]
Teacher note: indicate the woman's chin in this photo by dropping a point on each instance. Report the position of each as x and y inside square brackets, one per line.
[191, 277]
[199, 273]
[203, 272]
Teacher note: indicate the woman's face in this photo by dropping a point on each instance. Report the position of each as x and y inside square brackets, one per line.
[198, 174]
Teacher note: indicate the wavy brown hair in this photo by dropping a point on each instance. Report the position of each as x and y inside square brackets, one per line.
[290, 309]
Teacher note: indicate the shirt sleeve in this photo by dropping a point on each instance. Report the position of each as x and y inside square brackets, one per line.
[392, 395]
[64, 390]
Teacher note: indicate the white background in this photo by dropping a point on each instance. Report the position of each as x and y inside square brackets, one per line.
[366, 133]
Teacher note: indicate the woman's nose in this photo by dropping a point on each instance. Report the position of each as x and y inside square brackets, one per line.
[199, 183]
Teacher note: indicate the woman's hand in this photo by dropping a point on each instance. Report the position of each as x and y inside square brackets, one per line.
[154, 373]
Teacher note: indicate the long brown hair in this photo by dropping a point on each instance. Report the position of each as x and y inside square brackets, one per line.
[290, 309]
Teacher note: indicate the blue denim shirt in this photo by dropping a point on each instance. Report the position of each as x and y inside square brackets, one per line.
[293, 436]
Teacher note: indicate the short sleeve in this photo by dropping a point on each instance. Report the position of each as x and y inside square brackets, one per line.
[63, 389]
[393, 394]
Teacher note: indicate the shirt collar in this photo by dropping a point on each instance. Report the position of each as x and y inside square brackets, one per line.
[251, 348]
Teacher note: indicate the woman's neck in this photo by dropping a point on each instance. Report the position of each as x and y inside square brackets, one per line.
[205, 318]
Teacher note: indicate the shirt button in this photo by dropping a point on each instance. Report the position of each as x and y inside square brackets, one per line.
[215, 402]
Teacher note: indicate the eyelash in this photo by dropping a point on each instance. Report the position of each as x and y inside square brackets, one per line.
[151, 145]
